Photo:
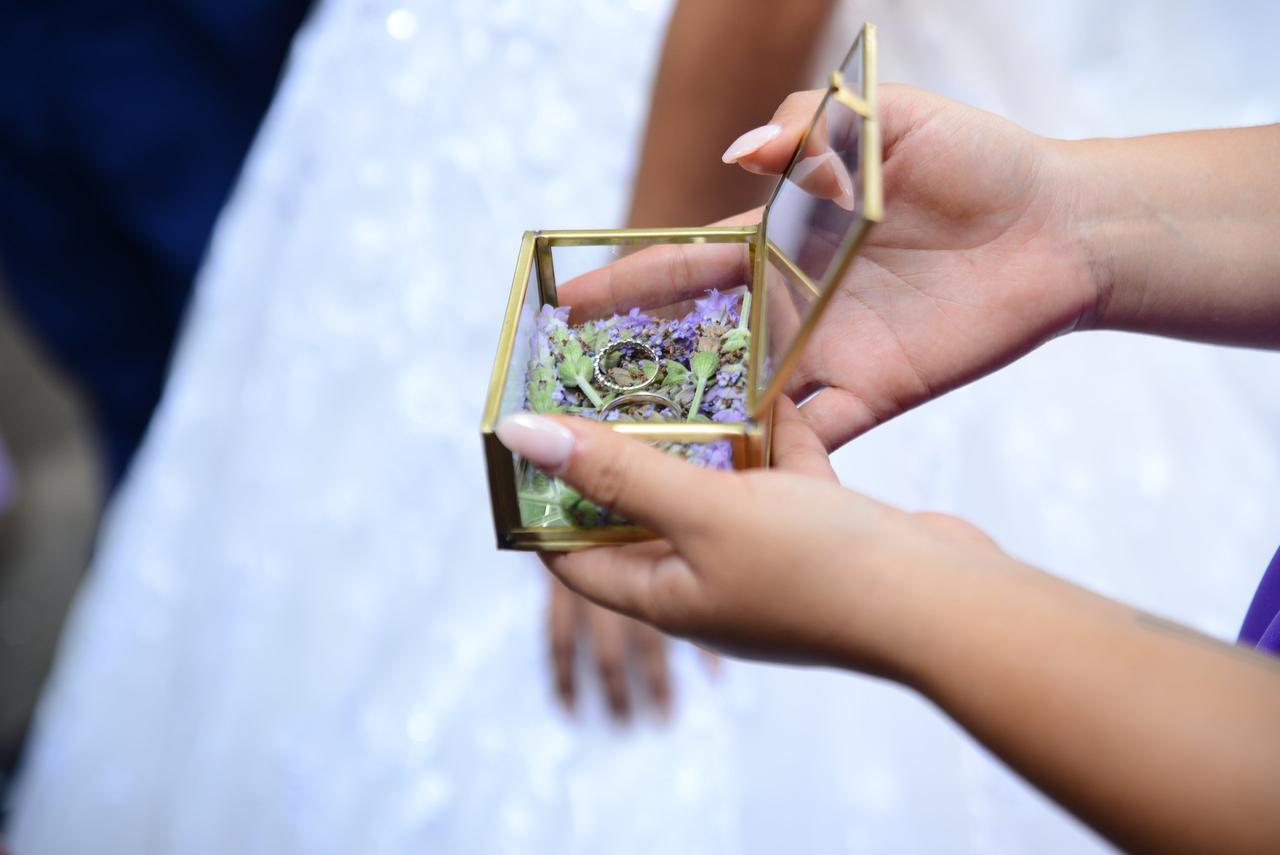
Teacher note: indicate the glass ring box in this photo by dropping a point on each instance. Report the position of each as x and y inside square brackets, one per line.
[682, 337]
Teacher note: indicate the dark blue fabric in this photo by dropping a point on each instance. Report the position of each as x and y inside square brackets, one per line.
[123, 124]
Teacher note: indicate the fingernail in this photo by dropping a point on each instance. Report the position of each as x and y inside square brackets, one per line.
[749, 142]
[845, 199]
[806, 174]
[538, 439]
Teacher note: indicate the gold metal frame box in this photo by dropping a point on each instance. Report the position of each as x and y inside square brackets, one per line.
[781, 271]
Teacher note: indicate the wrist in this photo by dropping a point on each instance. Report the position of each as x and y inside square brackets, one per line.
[1102, 230]
[934, 580]
[967, 606]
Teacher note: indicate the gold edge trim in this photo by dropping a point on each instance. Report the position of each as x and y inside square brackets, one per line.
[872, 178]
[872, 153]
[765, 451]
[792, 269]
[679, 431]
[614, 237]
[500, 464]
[870, 67]
[755, 320]
[847, 96]
[802, 336]
[546, 271]
[507, 335]
[571, 539]
[755, 446]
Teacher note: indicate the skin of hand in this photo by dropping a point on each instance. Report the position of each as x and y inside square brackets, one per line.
[696, 105]
[1161, 739]
[994, 241]
[976, 263]
[1170, 234]
[616, 643]
[736, 577]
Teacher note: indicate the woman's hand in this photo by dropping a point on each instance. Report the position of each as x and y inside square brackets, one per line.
[994, 240]
[978, 261]
[616, 644]
[736, 540]
[1161, 739]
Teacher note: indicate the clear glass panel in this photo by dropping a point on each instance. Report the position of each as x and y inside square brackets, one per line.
[547, 502]
[853, 70]
[514, 395]
[788, 300]
[813, 220]
[645, 333]
[818, 206]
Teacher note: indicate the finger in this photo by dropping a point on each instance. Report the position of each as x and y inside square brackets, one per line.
[670, 496]
[651, 646]
[659, 276]
[837, 416]
[773, 154]
[608, 643]
[795, 445]
[625, 578]
[562, 624]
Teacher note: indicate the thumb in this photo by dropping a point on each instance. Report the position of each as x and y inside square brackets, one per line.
[647, 486]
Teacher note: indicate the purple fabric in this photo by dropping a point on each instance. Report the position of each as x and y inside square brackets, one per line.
[8, 483]
[1261, 628]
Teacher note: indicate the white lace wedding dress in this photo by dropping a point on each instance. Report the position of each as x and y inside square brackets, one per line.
[297, 636]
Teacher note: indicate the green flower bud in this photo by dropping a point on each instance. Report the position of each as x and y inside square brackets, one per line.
[676, 373]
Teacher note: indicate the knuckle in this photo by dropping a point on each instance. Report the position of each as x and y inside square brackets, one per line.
[799, 102]
[610, 480]
[673, 604]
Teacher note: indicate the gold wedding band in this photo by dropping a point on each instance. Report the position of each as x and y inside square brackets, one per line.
[642, 398]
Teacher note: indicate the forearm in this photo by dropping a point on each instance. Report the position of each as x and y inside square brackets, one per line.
[1158, 737]
[725, 65]
[1183, 233]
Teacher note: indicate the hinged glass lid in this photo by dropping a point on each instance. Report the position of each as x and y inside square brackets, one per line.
[818, 216]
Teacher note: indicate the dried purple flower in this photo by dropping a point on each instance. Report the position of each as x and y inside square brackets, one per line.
[711, 455]
[715, 307]
[732, 414]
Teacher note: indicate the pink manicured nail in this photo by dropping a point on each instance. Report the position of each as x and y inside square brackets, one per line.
[749, 142]
[538, 439]
[816, 174]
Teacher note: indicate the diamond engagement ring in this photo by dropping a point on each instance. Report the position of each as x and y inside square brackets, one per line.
[602, 373]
